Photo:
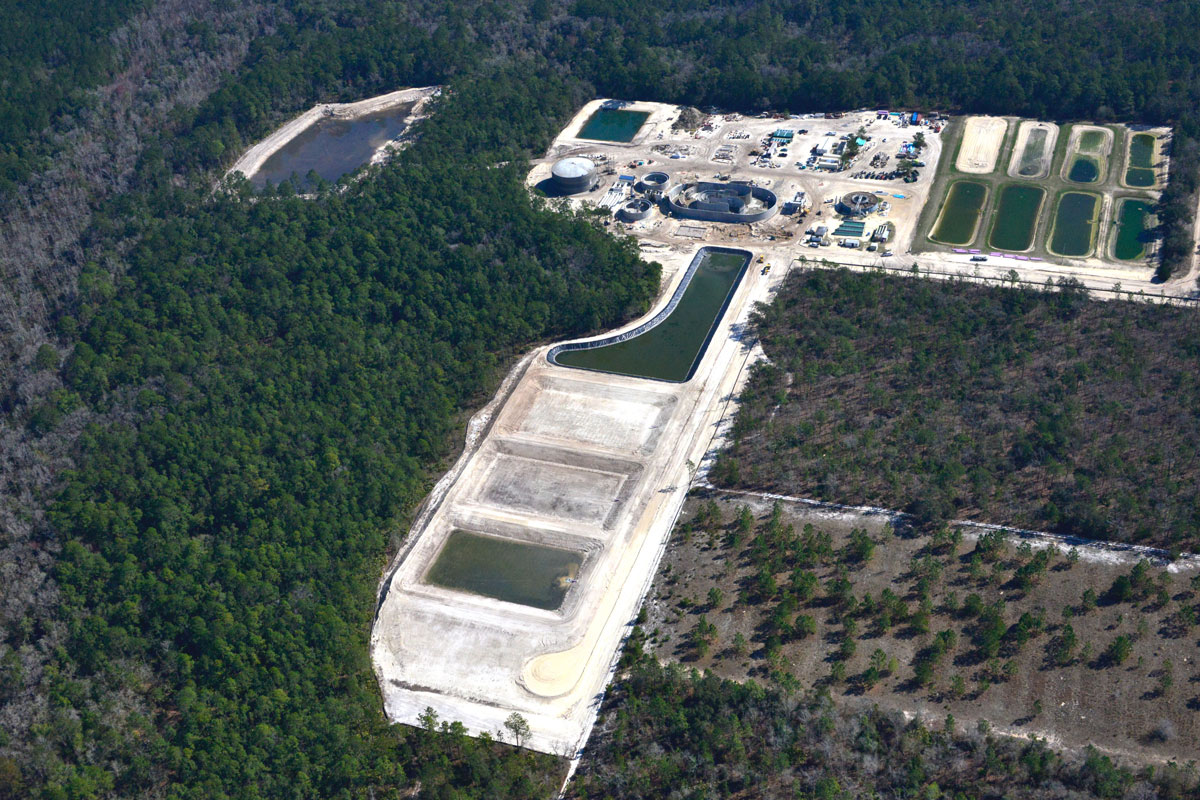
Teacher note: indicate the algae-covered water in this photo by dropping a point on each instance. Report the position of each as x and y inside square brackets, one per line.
[960, 213]
[1129, 244]
[1016, 217]
[613, 125]
[1074, 224]
[671, 349]
[505, 569]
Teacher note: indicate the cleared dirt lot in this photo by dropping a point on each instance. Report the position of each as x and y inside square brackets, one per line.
[1033, 685]
[981, 142]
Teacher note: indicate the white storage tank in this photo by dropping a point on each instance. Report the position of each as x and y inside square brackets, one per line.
[573, 175]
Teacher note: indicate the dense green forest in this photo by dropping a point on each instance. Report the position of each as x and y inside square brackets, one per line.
[1026, 405]
[50, 56]
[217, 413]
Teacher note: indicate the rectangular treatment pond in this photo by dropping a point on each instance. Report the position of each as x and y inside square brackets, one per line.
[1075, 224]
[505, 569]
[331, 147]
[669, 346]
[613, 125]
[1140, 172]
[1016, 217]
[1129, 240]
[959, 217]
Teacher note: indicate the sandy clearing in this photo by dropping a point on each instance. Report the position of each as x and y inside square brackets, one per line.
[1026, 128]
[982, 138]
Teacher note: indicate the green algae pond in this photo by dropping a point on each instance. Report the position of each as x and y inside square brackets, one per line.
[1128, 242]
[1141, 160]
[960, 213]
[669, 346]
[1075, 224]
[1016, 217]
[613, 125]
[1084, 170]
[505, 569]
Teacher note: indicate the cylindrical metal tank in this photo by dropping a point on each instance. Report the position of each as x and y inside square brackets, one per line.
[573, 175]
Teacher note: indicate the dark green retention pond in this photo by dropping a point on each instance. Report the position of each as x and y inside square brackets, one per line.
[508, 570]
[1131, 227]
[1084, 170]
[1136, 176]
[960, 213]
[1074, 223]
[331, 148]
[613, 125]
[1016, 217]
[669, 346]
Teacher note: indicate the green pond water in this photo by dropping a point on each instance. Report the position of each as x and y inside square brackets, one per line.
[1016, 217]
[508, 570]
[1141, 150]
[613, 125]
[1091, 141]
[1074, 222]
[1084, 170]
[960, 213]
[1031, 156]
[1131, 223]
[331, 148]
[670, 350]
[1137, 176]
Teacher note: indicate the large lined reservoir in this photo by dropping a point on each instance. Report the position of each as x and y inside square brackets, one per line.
[667, 348]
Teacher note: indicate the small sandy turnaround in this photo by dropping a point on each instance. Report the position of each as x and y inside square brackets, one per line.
[981, 142]
[1044, 154]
